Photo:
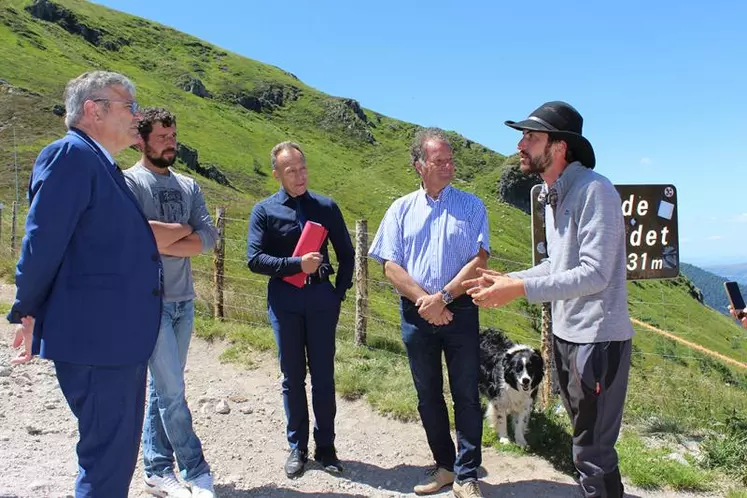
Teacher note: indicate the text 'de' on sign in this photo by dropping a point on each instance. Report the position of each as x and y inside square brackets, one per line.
[651, 235]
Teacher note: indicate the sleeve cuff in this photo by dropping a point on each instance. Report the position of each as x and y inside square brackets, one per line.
[533, 290]
[381, 258]
[14, 316]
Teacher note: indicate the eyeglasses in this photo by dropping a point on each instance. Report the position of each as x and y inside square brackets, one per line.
[133, 106]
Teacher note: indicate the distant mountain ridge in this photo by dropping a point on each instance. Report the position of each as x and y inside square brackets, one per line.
[711, 285]
[736, 272]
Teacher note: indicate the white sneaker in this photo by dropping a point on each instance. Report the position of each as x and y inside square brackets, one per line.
[166, 486]
[202, 486]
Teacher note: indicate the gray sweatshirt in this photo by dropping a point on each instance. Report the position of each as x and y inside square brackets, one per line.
[584, 275]
[173, 198]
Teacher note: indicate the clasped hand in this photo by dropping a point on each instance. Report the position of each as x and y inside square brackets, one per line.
[433, 310]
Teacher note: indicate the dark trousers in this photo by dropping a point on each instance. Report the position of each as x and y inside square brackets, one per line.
[109, 403]
[593, 381]
[304, 321]
[459, 341]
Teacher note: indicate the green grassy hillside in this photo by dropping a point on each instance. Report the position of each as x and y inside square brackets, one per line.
[238, 110]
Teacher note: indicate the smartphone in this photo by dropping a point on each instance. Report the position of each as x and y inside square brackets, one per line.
[735, 298]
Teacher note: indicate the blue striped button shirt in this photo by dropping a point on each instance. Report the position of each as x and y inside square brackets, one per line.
[432, 239]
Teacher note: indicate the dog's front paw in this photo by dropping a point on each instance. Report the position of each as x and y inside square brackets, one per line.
[504, 440]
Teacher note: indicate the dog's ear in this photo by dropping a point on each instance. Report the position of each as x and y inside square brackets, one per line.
[506, 360]
[538, 361]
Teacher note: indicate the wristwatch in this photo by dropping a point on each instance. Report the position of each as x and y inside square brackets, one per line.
[446, 297]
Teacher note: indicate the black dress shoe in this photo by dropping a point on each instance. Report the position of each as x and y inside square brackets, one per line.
[295, 463]
[327, 456]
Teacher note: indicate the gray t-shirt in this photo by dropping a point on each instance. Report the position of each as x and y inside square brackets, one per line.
[173, 198]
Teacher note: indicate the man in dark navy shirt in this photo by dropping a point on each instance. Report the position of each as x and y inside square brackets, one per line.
[304, 319]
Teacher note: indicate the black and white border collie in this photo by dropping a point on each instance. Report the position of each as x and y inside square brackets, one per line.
[509, 376]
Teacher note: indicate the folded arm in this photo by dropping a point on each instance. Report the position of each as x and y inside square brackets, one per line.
[204, 236]
[167, 234]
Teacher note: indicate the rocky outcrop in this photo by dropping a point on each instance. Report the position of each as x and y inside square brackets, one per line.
[514, 187]
[69, 21]
[193, 85]
[189, 157]
[347, 117]
[266, 97]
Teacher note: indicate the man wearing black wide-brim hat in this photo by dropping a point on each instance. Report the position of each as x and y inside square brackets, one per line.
[584, 277]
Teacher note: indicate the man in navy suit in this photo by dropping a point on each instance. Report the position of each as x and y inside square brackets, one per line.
[304, 319]
[89, 280]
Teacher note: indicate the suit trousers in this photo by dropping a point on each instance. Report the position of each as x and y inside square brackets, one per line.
[109, 403]
[305, 321]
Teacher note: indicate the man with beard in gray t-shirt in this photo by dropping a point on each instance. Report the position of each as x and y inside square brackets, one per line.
[175, 207]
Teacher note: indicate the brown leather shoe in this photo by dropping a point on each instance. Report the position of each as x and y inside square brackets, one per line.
[436, 478]
[468, 489]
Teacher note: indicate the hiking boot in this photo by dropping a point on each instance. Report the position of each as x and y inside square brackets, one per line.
[468, 489]
[202, 486]
[295, 463]
[327, 456]
[436, 478]
[166, 486]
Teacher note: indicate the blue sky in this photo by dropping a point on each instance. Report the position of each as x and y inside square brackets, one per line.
[661, 85]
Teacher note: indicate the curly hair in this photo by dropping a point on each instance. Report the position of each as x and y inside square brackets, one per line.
[152, 115]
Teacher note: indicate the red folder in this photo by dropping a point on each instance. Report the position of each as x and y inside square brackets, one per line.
[311, 240]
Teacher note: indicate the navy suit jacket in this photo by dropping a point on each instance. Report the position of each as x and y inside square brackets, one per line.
[89, 270]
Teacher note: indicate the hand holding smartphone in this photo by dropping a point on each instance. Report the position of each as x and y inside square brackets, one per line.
[735, 298]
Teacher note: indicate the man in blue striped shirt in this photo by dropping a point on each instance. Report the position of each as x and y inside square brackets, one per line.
[429, 242]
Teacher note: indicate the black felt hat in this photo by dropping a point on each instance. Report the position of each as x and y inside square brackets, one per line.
[561, 121]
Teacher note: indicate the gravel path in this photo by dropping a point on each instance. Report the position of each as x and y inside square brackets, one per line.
[246, 447]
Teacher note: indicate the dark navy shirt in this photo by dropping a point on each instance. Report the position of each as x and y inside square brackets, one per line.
[275, 227]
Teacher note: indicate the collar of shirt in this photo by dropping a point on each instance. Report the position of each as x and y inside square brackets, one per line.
[101, 147]
[283, 196]
[564, 183]
[140, 165]
[442, 196]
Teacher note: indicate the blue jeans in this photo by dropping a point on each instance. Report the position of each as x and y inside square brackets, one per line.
[167, 431]
[460, 342]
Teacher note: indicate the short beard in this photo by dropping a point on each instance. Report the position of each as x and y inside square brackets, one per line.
[541, 163]
[159, 161]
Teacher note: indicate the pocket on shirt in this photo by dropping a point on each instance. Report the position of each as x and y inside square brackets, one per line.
[459, 233]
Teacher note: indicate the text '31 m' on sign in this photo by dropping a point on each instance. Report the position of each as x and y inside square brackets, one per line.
[652, 245]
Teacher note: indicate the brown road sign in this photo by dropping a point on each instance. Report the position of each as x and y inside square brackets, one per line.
[652, 243]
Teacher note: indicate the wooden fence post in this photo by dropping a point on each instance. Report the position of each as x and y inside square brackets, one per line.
[13, 231]
[218, 263]
[547, 354]
[361, 281]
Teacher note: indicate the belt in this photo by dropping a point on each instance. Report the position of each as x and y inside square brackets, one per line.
[316, 278]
